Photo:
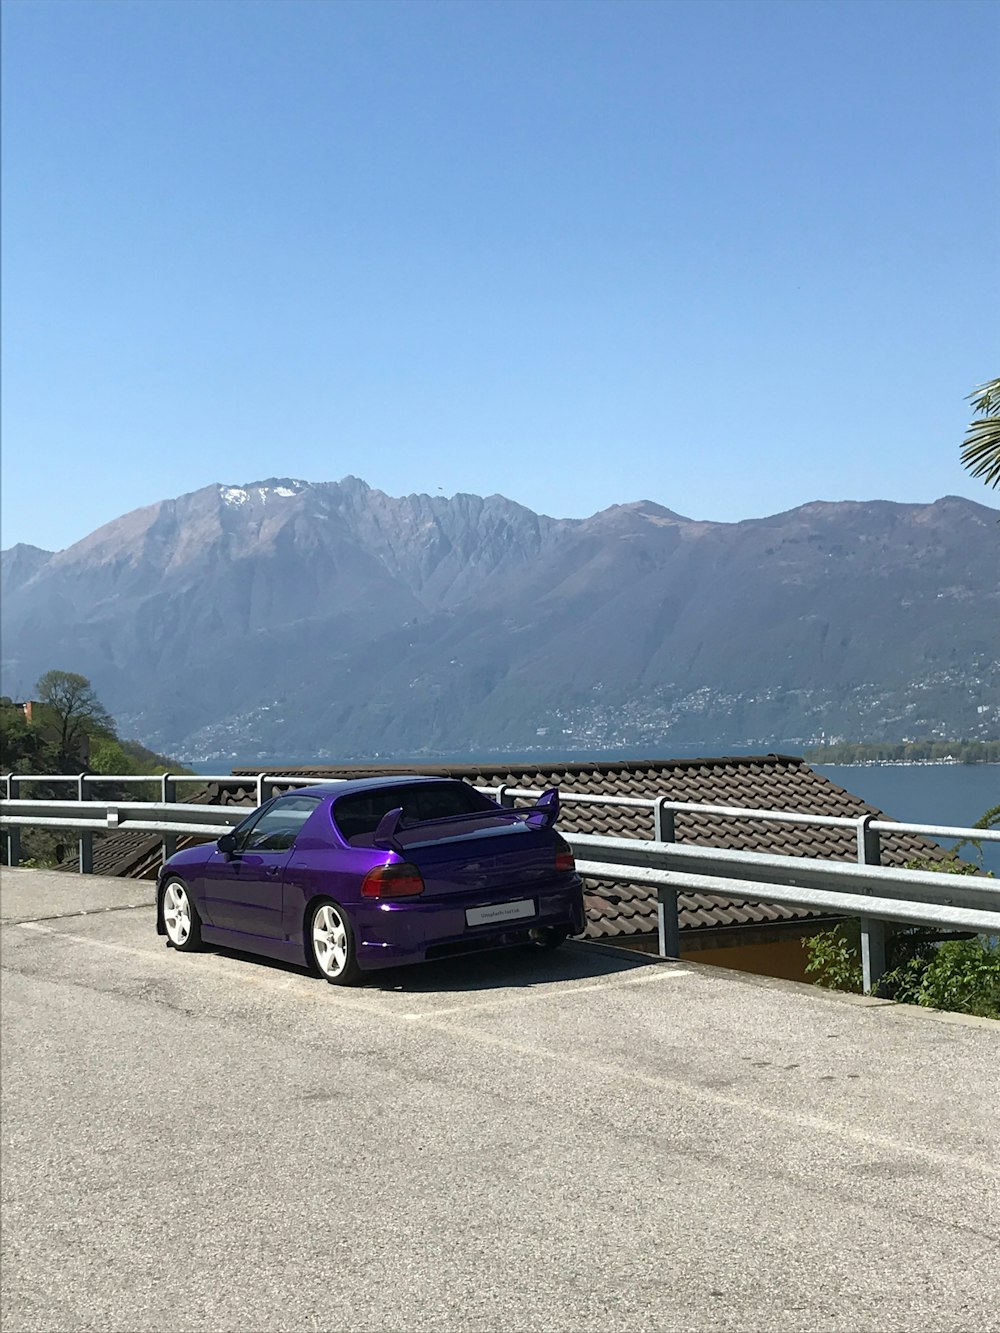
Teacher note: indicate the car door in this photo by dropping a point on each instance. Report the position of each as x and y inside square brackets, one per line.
[244, 888]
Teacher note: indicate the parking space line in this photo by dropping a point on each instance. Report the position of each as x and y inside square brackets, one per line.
[667, 974]
[83, 911]
[39, 928]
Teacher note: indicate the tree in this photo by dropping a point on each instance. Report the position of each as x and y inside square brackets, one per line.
[73, 711]
[981, 450]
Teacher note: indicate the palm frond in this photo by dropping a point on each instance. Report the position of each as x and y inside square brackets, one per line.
[981, 449]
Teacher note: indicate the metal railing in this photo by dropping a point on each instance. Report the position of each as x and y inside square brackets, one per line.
[262, 783]
[666, 808]
[877, 894]
[867, 830]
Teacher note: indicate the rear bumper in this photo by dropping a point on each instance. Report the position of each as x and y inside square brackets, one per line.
[392, 934]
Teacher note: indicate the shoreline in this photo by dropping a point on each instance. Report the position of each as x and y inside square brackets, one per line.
[907, 763]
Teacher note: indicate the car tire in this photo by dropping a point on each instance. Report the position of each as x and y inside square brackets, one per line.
[181, 921]
[548, 938]
[330, 944]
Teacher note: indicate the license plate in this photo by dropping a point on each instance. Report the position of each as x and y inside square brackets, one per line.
[487, 916]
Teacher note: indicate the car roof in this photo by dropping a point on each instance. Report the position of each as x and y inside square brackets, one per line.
[351, 785]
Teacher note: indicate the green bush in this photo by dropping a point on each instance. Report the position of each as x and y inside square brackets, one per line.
[834, 957]
[931, 968]
[962, 976]
[42, 848]
[928, 968]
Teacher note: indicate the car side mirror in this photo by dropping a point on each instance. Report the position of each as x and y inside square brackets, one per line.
[227, 843]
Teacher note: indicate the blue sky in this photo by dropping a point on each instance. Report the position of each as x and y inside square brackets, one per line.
[728, 257]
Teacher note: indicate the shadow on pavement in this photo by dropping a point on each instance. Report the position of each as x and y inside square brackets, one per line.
[495, 969]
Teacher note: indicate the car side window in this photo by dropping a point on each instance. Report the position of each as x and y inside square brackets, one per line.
[279, 825]
[243, 830]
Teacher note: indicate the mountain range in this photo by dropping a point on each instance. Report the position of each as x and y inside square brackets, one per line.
[292, 620]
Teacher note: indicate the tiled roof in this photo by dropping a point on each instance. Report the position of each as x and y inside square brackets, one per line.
[113, 853]
[135, 855]
[775, 782]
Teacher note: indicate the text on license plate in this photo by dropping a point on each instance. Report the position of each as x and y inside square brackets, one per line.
[486, 916]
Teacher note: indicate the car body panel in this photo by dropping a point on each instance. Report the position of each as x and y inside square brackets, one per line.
[189, 865]
[244, 893]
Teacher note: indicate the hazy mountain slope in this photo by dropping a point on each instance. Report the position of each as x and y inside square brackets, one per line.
[331, 618]
[768, 629]
[19, 564]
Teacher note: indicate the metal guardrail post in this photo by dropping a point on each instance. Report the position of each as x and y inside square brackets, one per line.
[667, 916]
[504, 797]
[668, 923]
[13, 834]
[86, 839]
[872, 931]
[168, 795]
[262, 788]
[664, 823]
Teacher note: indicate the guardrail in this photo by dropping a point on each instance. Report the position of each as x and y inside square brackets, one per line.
[263, 786]
[877, 894]
[262, 783]
[662, 810]
[867, 829]
[130, 816]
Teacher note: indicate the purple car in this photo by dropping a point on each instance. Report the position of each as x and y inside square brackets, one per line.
[347, 877]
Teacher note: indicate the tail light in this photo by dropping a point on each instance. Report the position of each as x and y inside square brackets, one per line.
[565, 864]
[399, 880]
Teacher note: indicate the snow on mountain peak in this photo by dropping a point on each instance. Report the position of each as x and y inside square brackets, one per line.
[236, 496]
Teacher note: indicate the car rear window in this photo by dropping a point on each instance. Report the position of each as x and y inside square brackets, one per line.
[358, 815]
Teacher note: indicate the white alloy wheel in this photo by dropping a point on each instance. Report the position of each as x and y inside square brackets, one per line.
[333, 944]
[330, 944]
[180, 918]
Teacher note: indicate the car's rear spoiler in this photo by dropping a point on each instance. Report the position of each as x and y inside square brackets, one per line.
[543, 814]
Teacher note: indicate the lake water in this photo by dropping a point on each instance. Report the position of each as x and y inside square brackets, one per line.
[955, 794]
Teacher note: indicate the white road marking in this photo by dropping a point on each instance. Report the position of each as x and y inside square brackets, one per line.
[77, 939]
[527, 996]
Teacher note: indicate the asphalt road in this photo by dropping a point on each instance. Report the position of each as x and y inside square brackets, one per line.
[577, 1141]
